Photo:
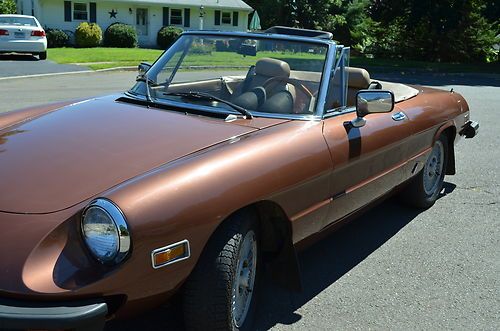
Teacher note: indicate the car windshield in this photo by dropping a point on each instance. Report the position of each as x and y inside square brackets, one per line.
[12, 20]
[261, 75]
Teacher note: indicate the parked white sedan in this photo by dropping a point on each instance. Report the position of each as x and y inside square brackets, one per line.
[22, 34]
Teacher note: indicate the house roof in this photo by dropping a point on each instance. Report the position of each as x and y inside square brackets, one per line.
[222, 4]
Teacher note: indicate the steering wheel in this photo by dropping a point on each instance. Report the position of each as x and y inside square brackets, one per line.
[293, 82]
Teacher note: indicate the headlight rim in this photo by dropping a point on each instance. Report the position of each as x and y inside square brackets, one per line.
[119, 221]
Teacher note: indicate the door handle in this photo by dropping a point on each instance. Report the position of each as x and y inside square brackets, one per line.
[399, 116]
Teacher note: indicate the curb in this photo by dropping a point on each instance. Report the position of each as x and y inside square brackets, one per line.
[134, 68]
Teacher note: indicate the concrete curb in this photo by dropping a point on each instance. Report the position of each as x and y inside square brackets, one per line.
[71, 73]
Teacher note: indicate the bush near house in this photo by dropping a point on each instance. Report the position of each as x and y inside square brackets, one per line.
[7, 7]
[120, 35]
[88, 35]
[167, 35]
[56, 38]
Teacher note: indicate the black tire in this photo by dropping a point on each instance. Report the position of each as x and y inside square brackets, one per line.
[208, 292]
[415, 194]
[42, 55]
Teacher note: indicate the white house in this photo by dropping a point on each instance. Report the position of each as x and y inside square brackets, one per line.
[148, 16]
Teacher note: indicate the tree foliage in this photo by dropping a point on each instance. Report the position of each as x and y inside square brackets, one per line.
[7, 7]
[447, 30]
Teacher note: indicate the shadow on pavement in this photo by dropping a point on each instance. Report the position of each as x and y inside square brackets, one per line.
[18, 57]
[322, 264]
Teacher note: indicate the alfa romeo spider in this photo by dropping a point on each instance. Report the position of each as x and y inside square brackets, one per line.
[226, 154]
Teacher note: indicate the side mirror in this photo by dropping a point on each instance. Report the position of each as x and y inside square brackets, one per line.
[372, 102]
[143, 67]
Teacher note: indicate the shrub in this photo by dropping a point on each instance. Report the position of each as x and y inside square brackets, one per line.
[120, 35]
[88, 35]
[167, 35]
[57, 38]
[201, 49]
[7, 7]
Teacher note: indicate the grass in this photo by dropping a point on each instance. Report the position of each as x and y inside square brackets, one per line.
[103, 58]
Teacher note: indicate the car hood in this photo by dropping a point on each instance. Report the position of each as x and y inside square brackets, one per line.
[63, 157]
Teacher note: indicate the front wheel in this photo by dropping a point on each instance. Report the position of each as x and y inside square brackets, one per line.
[424, 189]
[220, 294]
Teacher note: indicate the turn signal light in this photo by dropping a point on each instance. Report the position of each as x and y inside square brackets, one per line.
[170, 254]
[4, 32]
[38, 33]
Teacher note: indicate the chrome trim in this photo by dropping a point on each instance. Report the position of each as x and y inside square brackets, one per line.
[118, 218]
[162, 249]
[325, 80]
[399, 116]
[309, 40]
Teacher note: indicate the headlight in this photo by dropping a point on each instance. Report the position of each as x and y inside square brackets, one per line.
[105, 231]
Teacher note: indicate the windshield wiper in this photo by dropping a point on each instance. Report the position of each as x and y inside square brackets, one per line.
[209, 97]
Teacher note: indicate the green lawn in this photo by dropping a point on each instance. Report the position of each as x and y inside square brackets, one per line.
[102, 58]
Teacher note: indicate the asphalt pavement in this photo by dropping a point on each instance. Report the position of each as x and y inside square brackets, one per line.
[394, 267]
[24, 64]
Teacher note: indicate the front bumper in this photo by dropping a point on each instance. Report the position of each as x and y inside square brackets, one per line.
[470, 129]
[83, 315]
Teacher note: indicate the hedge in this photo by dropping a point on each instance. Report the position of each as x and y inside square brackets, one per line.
[88, 35]
[167, 35]
[120, 35]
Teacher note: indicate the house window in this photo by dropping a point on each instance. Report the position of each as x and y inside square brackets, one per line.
[175, 16]
[226, 18]
[80, 11]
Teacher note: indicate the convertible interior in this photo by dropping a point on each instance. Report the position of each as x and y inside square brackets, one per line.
[271, 86]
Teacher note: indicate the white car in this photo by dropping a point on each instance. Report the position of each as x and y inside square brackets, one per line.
[22, 34]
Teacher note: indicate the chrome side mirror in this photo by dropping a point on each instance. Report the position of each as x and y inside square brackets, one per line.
[372, 102]
[143, 68]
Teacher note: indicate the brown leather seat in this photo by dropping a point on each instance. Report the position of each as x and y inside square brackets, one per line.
[264, 71]
[359, 79]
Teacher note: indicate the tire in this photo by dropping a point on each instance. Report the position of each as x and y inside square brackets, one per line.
[228, 268]
[424, 189]
[43, 55]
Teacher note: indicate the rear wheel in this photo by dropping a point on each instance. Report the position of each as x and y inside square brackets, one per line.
[424, 189]
[220, 292]
[42, 55]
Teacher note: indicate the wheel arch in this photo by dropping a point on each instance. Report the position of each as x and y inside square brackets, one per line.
[450, 131]
[276, 241]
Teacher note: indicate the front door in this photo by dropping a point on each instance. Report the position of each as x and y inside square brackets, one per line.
[142, 24]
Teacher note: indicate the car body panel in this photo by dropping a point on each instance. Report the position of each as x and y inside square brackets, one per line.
[141, 140]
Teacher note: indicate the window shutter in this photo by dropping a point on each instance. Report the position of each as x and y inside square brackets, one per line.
[93, 7]
[217, 17]
[67, 11]
[187, 17]
[235, 18]
[166, 19]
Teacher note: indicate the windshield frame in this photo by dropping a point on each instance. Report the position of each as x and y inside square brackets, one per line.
[329, 62]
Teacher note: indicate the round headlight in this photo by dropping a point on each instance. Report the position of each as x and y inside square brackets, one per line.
[105, 231]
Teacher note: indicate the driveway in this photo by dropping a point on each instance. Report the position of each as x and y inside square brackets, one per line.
[394, 267]
[22, 65]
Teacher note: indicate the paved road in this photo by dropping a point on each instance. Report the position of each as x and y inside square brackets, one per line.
[21, 65]
[393, 268]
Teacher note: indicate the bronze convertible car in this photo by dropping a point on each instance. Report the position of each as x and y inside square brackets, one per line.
[229, 150]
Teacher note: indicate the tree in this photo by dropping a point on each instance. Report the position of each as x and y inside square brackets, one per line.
[7, 7]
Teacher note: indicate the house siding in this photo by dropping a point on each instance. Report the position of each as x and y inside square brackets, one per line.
[51, 14]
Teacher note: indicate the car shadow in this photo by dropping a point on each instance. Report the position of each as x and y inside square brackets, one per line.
[321, 264]
[18, 57]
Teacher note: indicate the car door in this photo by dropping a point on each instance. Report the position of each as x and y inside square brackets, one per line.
[367, 161]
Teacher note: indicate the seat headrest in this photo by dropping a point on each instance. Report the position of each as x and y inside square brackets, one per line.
[358, 78]
[272, 68]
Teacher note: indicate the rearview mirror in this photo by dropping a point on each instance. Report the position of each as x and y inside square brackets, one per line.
[372, 102]
[143, 67]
